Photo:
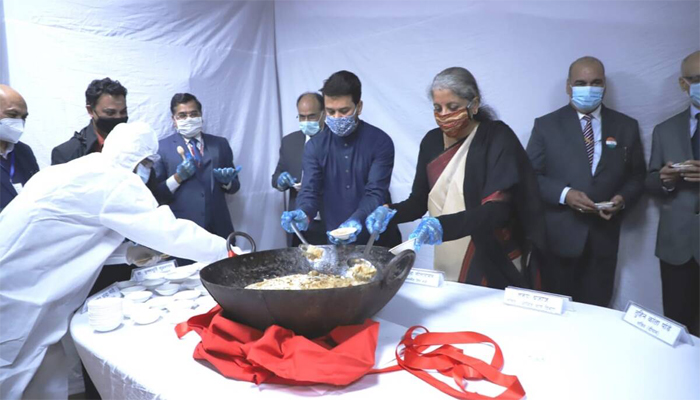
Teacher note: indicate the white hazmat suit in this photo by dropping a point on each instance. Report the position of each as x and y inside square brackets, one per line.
[55, 237]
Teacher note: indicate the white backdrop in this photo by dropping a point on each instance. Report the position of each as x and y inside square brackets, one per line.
[248, 62]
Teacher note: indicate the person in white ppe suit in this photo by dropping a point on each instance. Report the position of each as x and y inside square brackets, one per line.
[55, 237]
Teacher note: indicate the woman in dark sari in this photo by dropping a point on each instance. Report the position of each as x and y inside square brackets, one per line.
[475, 181]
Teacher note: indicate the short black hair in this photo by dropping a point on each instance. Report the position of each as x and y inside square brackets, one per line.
[98, 87]
[182, 98]
[318, 97]
[343, 83]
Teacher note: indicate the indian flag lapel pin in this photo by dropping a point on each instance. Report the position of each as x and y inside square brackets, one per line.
[611, 142]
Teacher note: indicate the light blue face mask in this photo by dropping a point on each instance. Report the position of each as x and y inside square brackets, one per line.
[694, 93]
[310, 128]
[143, 172]
[342, 126]
[586, 98]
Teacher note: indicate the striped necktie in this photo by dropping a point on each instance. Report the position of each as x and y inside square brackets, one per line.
[195, 151]
[588, 138]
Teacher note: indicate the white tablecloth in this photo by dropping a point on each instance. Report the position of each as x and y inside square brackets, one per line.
[586, 353]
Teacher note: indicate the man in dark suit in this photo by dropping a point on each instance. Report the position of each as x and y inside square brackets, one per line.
[287, 176]
[674, 173]
[196, 170]
[590, 167]
[106, 105]
[17, 161]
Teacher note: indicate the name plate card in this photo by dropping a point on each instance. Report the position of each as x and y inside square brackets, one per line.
[664, 329]
[427, 277]
[110, 291]
[156, 271]
[534, 300]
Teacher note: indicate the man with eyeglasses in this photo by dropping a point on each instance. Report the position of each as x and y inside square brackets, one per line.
[347, 168]
[674, 173]
[590, 167]
[196, 170]
[287, 176]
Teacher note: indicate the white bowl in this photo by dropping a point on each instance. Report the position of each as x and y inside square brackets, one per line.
[206, 302]
[130, 307]
[145, 317]
[126, 284]
[167, 289]
[139, 297]
[107, 326]
[105, 303]
[192, 282]
[186, 295]
[181, 305]
[151, 283]
[407, 245]
[159, 302]
[343, 233]
[179, 275]
[131, 289]
[202, 290]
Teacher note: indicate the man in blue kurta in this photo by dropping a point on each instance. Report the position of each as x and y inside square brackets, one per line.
[346, 167]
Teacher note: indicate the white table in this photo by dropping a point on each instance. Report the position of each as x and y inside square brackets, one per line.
[586, 353]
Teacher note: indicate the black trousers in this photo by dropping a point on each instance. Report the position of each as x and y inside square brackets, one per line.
[681, 293]
[588, 278]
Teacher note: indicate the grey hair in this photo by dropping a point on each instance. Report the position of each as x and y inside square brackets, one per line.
[457, 80]
[462, 83]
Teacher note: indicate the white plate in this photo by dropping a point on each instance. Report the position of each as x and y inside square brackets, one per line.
[606, 205]
[138, 297]
[343, 233]
[297, 186]
[126, 284]
[159, 302]
[407, 245]
[186, 295]
[179, 275]
[192, 282]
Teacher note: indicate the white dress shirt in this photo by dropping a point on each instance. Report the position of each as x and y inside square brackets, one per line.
[597, 144]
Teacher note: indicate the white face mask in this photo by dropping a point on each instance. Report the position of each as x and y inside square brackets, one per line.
[189, 127]
[143, 172]
[11, 129]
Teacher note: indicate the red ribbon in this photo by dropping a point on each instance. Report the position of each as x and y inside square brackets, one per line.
[343, 356]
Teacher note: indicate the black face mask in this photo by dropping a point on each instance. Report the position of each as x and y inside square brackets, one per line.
[105, 125]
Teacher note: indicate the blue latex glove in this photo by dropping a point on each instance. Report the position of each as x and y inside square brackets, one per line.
[429, 231]
[285, 181]
[226, 175]
[297, 217]
[187, 168]
[379, 219]
[351, 223]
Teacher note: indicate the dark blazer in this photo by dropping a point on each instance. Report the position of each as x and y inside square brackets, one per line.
[25, 167]
[80, 144]
[678, 236]
[291, 154]
[558, 154]
[201, 198]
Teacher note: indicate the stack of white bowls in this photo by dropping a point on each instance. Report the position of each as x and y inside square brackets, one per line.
[105, 314]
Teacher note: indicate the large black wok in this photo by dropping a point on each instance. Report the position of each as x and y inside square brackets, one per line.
[310, 313]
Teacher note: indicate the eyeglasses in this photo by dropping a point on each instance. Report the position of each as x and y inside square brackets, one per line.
[191, 114]
[692, 79]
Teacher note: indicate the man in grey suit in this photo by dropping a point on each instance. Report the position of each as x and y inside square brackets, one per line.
[590, 168]
[287, 176]
[674, 173]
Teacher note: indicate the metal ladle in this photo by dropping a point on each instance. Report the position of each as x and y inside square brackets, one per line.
[305, 245]
[354, 261]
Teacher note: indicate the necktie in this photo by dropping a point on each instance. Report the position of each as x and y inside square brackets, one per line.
[588, 138]
[695, 141]
[195, 151]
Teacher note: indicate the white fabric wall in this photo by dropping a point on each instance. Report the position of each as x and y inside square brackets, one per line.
[223, 52]
[248, 61]
[519, 51]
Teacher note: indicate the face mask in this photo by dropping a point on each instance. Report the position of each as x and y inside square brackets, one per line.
[342, 126]
[452, 123]
[143, 172]
[310, 128]
[105, 125]
[189, 127]
[694, 93]
[11, 129]
[586, 98]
